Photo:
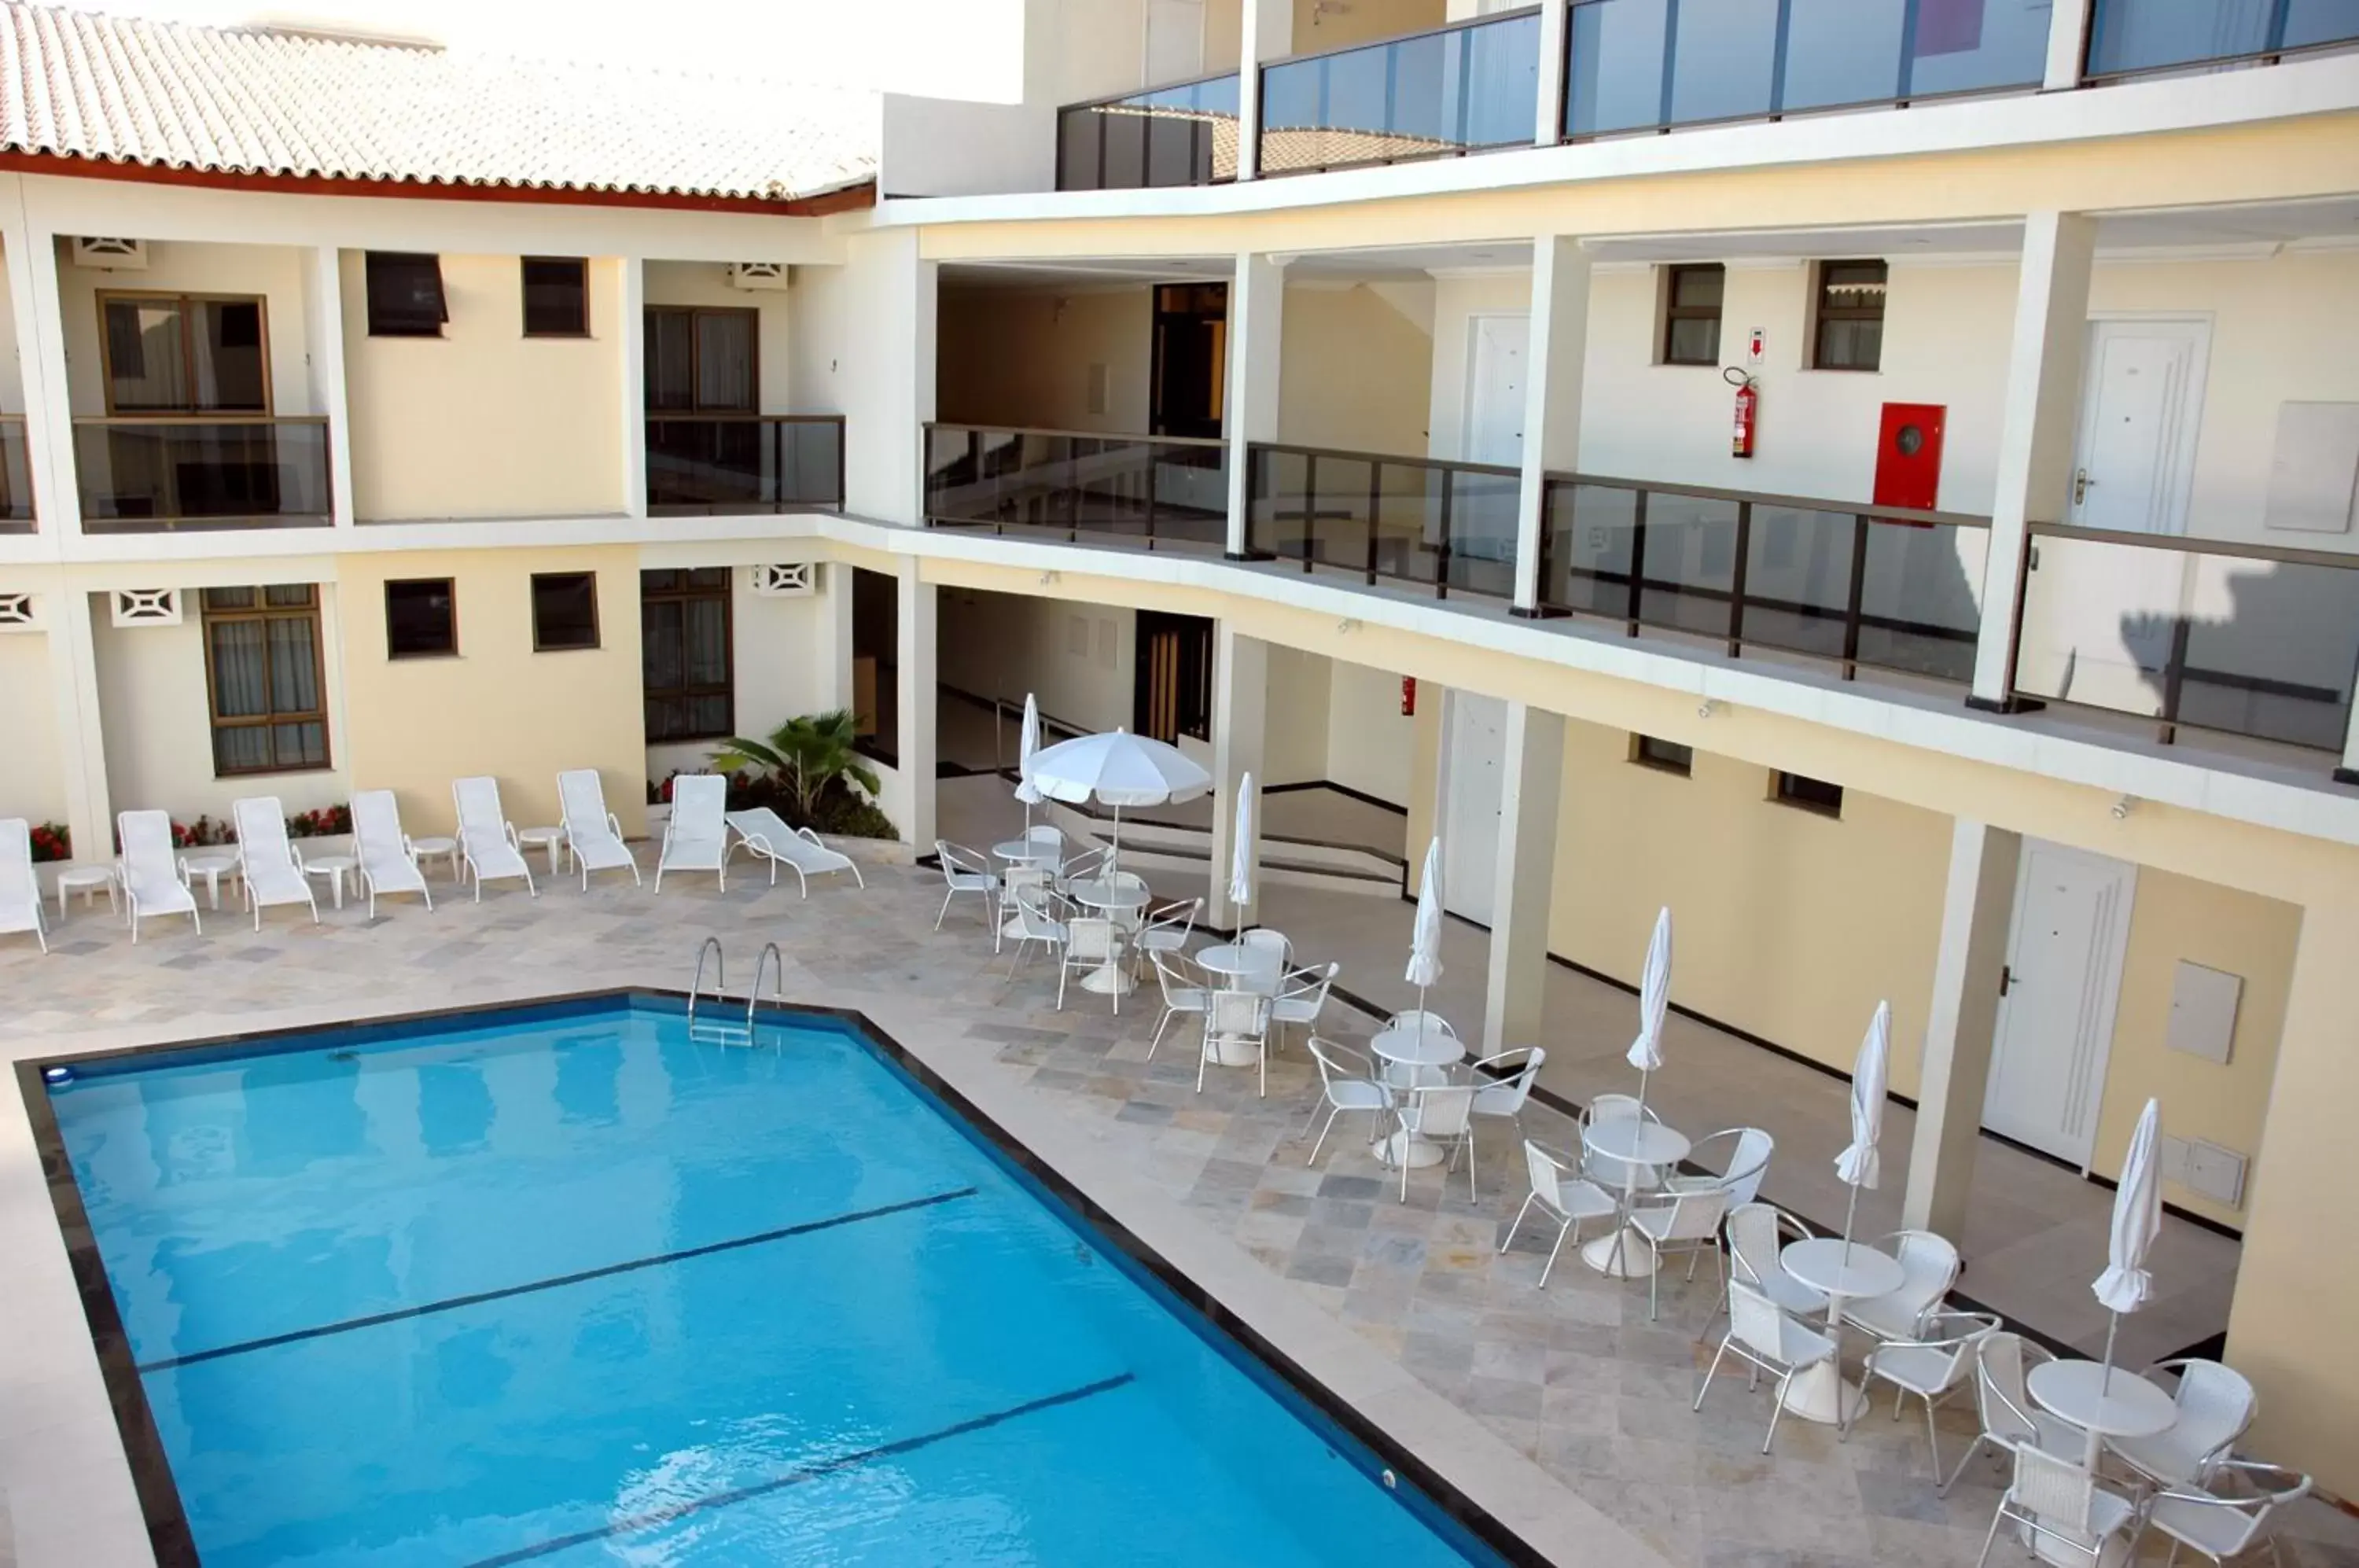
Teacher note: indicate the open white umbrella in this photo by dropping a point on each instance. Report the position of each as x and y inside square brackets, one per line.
[1241, 866]
[1646, 1053]
[1027, 747]
[1117, 769]
[1858, 1164]
[1425, 937]
[2125, 1286]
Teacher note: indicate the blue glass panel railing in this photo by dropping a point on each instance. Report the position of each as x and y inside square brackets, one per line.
[1456, 90]
[1146, 490]
[1447, 526]
[1183, 134]
[2129, 36]
[1645, 65]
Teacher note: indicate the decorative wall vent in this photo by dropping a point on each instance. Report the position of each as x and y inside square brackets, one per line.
[18, 612]
[145, 606]
[758, 275]
[116, 255]
[787, 580]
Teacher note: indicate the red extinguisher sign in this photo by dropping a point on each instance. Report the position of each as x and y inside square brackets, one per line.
[1748, 408]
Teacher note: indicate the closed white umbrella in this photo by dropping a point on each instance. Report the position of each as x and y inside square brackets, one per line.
[1425, 936]
[1241, 868]
[2126, 1286]
[1859, 1163]
[1117, 769]
[1027, 747]
[1646, 1053]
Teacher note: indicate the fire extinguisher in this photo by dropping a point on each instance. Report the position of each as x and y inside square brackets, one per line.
[1748, 409]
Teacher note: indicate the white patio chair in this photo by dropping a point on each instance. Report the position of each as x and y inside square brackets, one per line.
[1674, 1223]
[20, 889]
[268, 863]
[1049, 841]
[2059, 1500]
[388, 862]
[1082, 865]
[1763, 1334]
[1013, 883]
[1272, 945]
[1604, 1170]
[1407, 1075]
[1558, 1192]
[1301, 998]
[2225, 1527]
[1128, 884]
[696, 835]
[1503, 1084]
[593, 835]
[1041, 916]
[2009, 1419]
[965, 871]
[1933, 1365]
[1347, 1081]
[1749, 1149]
[1409, 1020]
[1092, 941]
[1236, 1020]
[1929, 1266]
[155, 878]
[1439, 1112]
[2215, 1405]
[488, 851]
[1187, 991]
[766, 836]
[1169, 927]
[1758, 1234]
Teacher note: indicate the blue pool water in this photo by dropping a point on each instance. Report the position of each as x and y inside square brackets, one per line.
[565, 1287]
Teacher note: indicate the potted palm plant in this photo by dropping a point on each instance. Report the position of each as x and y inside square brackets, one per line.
[808, 771]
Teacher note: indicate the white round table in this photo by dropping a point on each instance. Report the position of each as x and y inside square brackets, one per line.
[1636, 1142]
[1108, 979]
[86, 880]
[1027, 852]
[2128, 1405]
[332, 867]
[210, 863]
[1415, 1050]
[1243, 968]
[552, 839]
[426, 848]
[1841, 1274]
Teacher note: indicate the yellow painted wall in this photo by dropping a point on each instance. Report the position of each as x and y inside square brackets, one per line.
[1318, 28]
[31, 783]
[497, 707]
[1356, 371]
[706, 283]
[1022, 357]
[484, 422]
[277, 273]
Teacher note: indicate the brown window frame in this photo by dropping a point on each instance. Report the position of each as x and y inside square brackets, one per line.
[263, 610]
[1795, 791]
[1673, 312]
[580, 264]
[695, 353]
[686, 592]
[368, 294]
[1822, 313]
[261, 304]
[451, 592]
[597, 631]
[1644, 751]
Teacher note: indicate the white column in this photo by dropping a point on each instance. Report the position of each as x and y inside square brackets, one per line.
[32, 259]
[2035, 428]
[915, 687]
[831, 659]
[1977, 905]
[1552, 378]
[2067, 34]
[633, 326]
[1266, 33]
[81, 741]
[1548, 125]
[324, 318]
[1531, 783]
[1256, 331]
[1240, 727]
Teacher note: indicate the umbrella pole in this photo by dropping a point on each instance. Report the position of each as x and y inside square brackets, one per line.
[1850, 1209]
[2105, 1379]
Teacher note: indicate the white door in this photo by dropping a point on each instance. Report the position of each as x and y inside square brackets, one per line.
[1175, 41]
[2063, 980]
[1474, 742]
[1494, 389]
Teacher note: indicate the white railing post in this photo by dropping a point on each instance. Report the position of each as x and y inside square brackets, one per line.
[1257, 328]
[2068, 37]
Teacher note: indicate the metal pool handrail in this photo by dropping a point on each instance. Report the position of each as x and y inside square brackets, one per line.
[753, 992]
[719, 976]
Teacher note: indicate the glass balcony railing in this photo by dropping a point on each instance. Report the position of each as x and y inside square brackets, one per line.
[1183, 134]
[1457, 90]
[1151, 491]
[1648, 65]
[15, 477]
[2130, 36]
[744, 463]
[160, 472]
[1447, 526]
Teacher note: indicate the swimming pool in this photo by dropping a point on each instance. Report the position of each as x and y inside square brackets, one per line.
[562, 1285]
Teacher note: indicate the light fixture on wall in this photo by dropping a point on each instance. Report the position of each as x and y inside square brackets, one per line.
[2124, 807]
[1345, 627]
[1049, 579]
[1322, 9]
[1708, 707]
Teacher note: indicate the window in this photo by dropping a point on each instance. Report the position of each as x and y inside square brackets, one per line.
[182, 354]
[556, 297]
[1173, 684]
[1810, 794]
[564, 611]
[700, 361]
[1691, 314]
[684, 648]
[262, 679]
[1667, 755]
[1849, 305]
[422, 618]
[405, 295]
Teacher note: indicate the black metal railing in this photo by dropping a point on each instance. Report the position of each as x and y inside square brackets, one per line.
[15, 477]
[1155, 490]
[1459, 88]
[1649, 65]
[2254, 640]
[1877, 586]
[2126, 37]
[146, 473]
[1182, 134]
[1447, 526]
[744, 463]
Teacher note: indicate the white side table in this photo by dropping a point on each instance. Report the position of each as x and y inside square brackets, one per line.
[1636, 1142]
[552, 839]
[331, 867]
[427, 848]
[1116, 901]
[1417, 1053]
[210, 863]
[86, 880]
[1840, 1272]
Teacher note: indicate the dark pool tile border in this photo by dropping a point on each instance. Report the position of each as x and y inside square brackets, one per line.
[143, 1447]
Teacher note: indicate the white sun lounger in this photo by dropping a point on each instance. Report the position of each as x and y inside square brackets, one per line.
[267, 863]
[765, 833]
[20, 890]
[487, 839]
[592, 833]
[697, 836]
[388, 860]
[155, 878]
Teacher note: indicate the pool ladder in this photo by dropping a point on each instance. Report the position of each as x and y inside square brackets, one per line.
[770, 961]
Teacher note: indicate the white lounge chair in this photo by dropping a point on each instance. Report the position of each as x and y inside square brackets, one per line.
[388, 860]
[155, 878]
[267, 864]
[20, 890]
[487, 839]
[592, 834]
[697, 836]
[765, 833]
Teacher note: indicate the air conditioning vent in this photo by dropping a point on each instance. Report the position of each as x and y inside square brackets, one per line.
[787, 580]
[114, 254]
[758, 275]
[145, 606]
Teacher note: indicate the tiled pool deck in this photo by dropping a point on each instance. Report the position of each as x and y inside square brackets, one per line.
[1565, 1410]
